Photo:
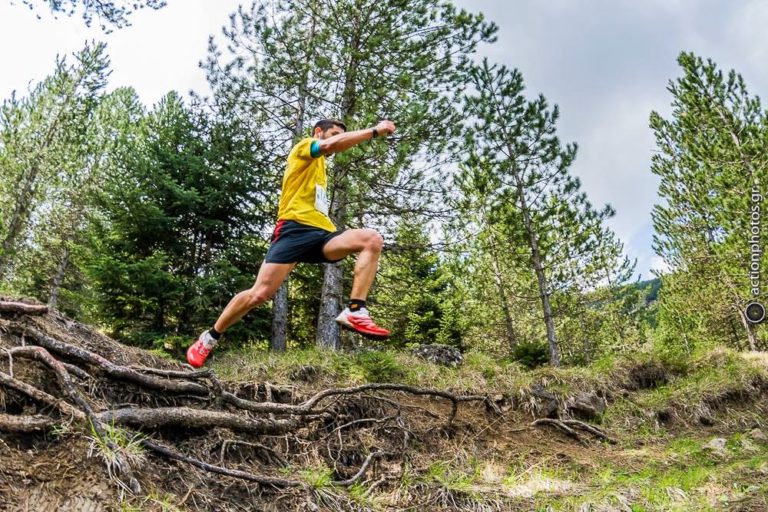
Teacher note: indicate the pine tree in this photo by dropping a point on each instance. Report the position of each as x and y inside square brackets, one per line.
[47, 157]
[110, 13]
[174, 236]
[711, 158]
[536, 217]
[412, 293]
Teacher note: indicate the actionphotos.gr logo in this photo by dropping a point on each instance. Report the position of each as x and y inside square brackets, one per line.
[755, 311]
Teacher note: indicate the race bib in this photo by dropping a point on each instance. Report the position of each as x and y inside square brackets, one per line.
[321, 200]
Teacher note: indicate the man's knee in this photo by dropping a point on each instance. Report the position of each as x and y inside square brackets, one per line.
[373, 240]
[258, 295]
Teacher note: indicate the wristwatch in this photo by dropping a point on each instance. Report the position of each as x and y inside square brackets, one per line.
[375, 133]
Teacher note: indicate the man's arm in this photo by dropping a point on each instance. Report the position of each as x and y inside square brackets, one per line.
[346, 140]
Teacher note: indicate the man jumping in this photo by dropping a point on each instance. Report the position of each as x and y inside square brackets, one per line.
[304, 233]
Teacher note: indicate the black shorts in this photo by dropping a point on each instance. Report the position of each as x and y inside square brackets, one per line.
[293, 242]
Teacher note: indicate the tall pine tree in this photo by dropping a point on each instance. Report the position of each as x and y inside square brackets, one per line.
[517, 171]
[712, 164]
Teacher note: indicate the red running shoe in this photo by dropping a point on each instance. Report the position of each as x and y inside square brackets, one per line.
[360, 322]
[198, 352]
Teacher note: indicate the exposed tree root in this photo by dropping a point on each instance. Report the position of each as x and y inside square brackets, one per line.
[93, 395]
[26, 424]
[351, 481]
[112, 370]
[20, 307]
[195, 418]
[565, 425]
[262, 480]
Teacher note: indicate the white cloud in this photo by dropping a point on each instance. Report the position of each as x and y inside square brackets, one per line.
[158, 53]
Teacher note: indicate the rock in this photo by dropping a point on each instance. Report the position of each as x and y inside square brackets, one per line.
[500, 403]
[550, 402]
[706, 416]
[586, 406]
[716, 446]
[440, 354]
[757, 435]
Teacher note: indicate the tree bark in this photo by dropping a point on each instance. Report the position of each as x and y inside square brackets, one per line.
[538, 267]
[328, 332]
[21, 307]
[750, 328]
[511, 332]
[278, 339]
[58, 278]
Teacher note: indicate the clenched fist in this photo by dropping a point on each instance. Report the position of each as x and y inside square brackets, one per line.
[385, 128]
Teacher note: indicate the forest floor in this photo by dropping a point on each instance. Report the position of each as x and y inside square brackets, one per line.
[372, 430]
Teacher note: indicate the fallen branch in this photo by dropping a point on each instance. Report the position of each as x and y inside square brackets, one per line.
[560, 426]
[591, 429]
[565, 427]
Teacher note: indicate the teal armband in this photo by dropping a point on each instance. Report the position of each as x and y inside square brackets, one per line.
[314, 149]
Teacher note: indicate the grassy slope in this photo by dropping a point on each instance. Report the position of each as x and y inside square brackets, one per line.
[659, 464]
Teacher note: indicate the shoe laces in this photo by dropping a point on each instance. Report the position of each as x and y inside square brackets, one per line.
[207, 342]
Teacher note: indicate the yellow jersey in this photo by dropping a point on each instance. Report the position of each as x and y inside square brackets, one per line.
[303, 197]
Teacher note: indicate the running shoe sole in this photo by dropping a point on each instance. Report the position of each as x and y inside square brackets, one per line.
[364, 334]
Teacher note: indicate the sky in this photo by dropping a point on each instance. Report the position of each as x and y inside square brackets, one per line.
[605, 63]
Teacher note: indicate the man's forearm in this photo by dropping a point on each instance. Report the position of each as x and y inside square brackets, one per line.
[346, 140]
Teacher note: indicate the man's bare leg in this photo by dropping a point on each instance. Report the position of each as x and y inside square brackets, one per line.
[269, 279]
[271, 276]
[368, 243]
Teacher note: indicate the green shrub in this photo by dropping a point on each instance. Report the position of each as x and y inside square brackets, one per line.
[379, 367]
[531, 354]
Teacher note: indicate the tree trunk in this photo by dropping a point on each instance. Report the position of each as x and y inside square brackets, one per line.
[554, 351]
[53, 299]
[18, 217]
[511, 333]
[328, 332]
[279, 336]
[278, 340]
[750, 328]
